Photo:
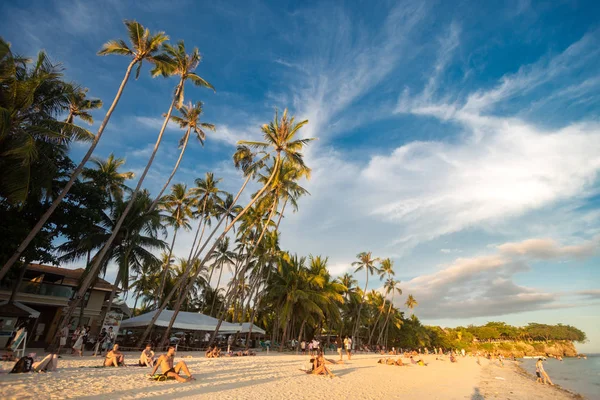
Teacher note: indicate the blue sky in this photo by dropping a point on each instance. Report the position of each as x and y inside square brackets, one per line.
[462, 140]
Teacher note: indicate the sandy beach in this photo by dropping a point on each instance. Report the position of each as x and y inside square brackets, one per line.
[277, 376]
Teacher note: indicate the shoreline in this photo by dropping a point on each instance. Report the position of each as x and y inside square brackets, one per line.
[277, 376]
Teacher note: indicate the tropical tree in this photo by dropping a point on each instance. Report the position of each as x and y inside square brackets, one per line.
[178, 207]
[144, 47]
[178, 63]
[386, 268]
[411, 303]
[80, 105]
[366, 262]
[282, 144]
[391, 286]
[188, 121]
[107, 176]
[206, 195]
[221, 257]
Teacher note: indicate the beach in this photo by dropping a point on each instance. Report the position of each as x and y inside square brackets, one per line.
[275, 376]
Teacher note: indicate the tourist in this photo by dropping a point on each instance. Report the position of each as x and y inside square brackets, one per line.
[338, 345]
[114, 358]
[74, 338]
[310, 348]
[77, 347]
[48, 364]
[110, 339]
[166, 361]
[147, 357]
[229, 343]
[100, 342]
[539, 367]
[64, 333]
[303, 347]
[348, 344]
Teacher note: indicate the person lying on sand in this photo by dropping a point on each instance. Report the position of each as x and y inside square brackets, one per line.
[419, 362]
[49, 363]
[147, 357]
[165, 362]
[114, 358]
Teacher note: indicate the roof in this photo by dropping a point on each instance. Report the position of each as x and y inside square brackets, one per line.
[71, 276]
[185, 321]
[17, 309]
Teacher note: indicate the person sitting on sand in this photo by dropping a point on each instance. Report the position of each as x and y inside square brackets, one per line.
[318, 366]
[215, 352]
[452, 358]
[147, 357]
[114, 358]
[165, 362]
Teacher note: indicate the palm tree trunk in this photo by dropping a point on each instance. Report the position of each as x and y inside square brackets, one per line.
[40, 224]
[180, 280]
[100, 257]
[300, 335]
[375, 326]
[285, 328]
[17, 284]
[357, 327]
[163, 280]
[387, 317]
[216, 288]
[110, 299]
[175, 168]
[227, 229]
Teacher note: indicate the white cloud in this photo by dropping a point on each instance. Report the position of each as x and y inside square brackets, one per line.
[484, 285]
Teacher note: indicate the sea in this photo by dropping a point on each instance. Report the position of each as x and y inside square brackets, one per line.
[574, 374]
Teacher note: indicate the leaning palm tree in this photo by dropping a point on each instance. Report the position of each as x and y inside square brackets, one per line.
[144, 47]
[366, 262]
[386, 268]
[221, 257]
[206, 194]
[177, 63]
[107, 176]
[177, 205]
[188, 121]
[280, 143]
[391, 286]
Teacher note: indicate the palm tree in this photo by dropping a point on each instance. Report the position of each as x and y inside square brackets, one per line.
[132, 248]
[79, 105]
[280, 140]
[411, 303]
[366, 262]
[188, 121]
[386, 268]
[206, 193]
[107, 176]
[391, 286]
[145, 47]
[177, 62]
[177, 204]
[221, 257]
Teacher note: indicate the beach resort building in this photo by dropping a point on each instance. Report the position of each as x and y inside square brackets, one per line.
[43, 294]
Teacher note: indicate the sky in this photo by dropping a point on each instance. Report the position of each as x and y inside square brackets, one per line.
[460, 139]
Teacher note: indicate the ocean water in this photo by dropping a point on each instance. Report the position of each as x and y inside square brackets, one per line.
[577, 375]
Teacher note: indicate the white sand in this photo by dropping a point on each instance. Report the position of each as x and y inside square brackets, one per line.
[277, 376]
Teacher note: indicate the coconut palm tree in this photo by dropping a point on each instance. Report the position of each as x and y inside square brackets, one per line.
[386, 268]
[107, 176]
[366, 262]
[144, 47]
[391, 286]
[177, 205]
[178, 63]
[188, 121]
[206, 194]
[411, 303]
[221, 257]
[134, 243]
[80, 105]
[281, 143]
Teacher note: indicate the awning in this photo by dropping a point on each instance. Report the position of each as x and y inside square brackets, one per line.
[186, 321]
[17, 309]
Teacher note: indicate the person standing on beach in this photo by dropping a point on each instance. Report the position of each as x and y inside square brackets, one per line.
[338, 345]
[63, 338]
[348, 343]
[539, 367]
[303, 347]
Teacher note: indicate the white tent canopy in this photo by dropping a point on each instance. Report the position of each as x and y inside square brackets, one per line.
[187, 321]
